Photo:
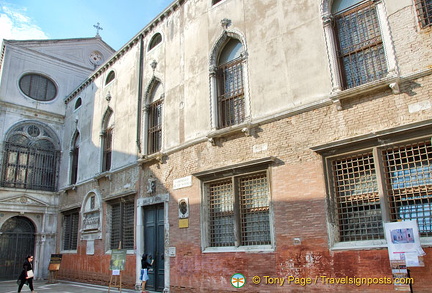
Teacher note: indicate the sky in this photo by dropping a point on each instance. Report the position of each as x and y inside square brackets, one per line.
[69, 19]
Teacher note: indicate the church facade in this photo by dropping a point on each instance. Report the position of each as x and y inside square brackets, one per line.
[253, 146]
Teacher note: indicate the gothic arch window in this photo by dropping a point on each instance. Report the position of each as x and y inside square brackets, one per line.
[228, 80]
[155, 40]
[31, 156]
[74, 158]
[110, 77]
[356, 33]
[107, 139]
[38, 87]
[153, 116]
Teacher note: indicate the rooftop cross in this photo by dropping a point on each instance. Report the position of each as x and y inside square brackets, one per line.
[98, 28]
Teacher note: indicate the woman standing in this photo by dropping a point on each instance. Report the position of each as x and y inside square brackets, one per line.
[27, 274]
[145, 264]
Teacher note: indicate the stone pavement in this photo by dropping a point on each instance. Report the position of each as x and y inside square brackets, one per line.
[41, 286]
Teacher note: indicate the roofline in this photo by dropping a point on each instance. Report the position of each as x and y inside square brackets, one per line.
[143, 32]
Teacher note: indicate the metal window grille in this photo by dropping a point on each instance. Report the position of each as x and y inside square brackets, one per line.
[254, 210]
[231, 93]
[70, 230]
[424, 12]
[357, 201]
[107, 150]
[155, 126]
[360, 46]
[409, 179]
[221, 201]
[30, 166]
[122, 224]
[239, 211]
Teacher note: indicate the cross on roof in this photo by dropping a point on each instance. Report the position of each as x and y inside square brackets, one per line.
[98, 28]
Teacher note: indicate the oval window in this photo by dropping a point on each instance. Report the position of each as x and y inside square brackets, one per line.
[38, 87]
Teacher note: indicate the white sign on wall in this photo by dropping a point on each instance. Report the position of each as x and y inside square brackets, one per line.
[182, 182]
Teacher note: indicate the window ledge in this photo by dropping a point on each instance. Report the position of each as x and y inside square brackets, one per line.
[159, 157]
[391, 82]
[245, 127]
[372, 244]
[258, 249]
[106, 174]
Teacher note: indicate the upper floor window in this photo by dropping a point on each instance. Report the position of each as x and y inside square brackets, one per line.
[38, 87]
[424, 12]
[31, 155]
[361, 199]
[154, 118]
[107, 138]
[155, 40]
[360, 46]
[78, 103]
[74, 158]
[216, 1]
[230, 84]
[110, 77]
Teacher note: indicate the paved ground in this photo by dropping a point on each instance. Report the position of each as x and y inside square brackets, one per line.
[41, 286]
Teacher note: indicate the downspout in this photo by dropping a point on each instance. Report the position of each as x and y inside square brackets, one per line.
[140, 91]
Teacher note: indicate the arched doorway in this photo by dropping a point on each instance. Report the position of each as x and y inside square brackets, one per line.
[17, 239]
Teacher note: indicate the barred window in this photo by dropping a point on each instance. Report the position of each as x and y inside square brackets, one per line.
[406, 190]
[229, 76]
[424, 12]
[30, 158]
[122, 223]
[154, 106]
[239, 211]
[70, 229]
[360, 47]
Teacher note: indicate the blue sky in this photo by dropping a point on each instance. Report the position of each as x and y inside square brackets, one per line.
[64, 19]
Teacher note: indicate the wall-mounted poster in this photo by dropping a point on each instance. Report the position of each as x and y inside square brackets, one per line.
[118, 260]
[403, 241]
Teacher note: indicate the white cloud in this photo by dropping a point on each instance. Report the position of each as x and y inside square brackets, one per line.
[16, 25]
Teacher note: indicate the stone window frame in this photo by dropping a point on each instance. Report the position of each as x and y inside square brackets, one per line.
[106, 138]
[217, 128]
[74, 157]
[234, 173]
[390, 80]
[126, 222]
[374, 145]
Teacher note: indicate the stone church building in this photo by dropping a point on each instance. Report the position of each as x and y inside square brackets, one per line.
[271, 139]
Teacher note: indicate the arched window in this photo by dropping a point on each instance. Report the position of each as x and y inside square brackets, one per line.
[107, 137]
[230, 84]
[354, 31]
[154, 108]
[156, 40]
[74, 158]
[110, 77]
[38, 87]
[78, 103]
[31, 158]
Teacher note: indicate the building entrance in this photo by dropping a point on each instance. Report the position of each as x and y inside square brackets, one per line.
[17, 240]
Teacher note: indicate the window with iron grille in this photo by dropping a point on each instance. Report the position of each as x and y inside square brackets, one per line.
[122, 223]
[424, 12]
[361, 200]
[238, 211]
[155, 126]
[30, 159]
[70, 229]
[230, 88]
[360, 46]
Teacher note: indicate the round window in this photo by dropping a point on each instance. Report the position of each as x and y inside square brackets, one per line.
[38, 87]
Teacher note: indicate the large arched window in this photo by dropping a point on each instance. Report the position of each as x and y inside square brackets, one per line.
[107, 137]
[38, 87]
[154, 106]
[31, 156]
[230, 84]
